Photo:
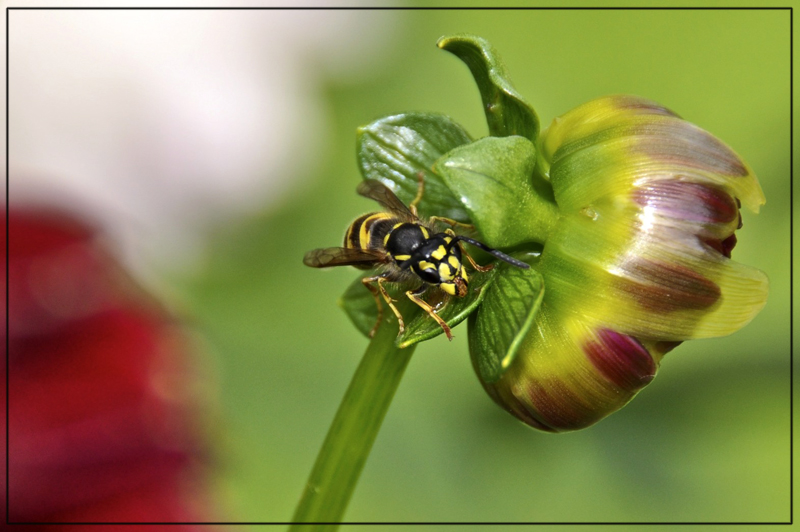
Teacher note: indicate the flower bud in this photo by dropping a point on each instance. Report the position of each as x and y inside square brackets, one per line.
[638, 262]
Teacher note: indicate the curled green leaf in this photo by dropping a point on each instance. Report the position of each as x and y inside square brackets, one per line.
[506, 111]
[454, 311]
[396, 149]
[499, 326]
[359, 305]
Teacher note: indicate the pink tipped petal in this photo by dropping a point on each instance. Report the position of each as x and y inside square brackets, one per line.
[597, 115]
[646, 277]
[614, 143]
[675, 141]
[666, 287]
[692, 202]
[574, 375]
[621, 359]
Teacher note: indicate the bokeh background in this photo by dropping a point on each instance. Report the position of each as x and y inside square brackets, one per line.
[215, 148]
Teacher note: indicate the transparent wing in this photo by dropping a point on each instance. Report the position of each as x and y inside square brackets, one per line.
[375, 190]
[325, 257]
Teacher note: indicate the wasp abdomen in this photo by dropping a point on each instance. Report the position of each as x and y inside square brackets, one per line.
[368, 231]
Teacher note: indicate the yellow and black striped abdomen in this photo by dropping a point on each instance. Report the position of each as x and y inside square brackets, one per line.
[369, 230]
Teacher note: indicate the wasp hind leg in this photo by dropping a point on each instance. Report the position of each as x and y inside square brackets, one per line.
[420, 191]
[413, 295]
[452, 223]
[379, 280]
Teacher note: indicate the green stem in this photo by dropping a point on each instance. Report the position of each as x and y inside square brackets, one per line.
[352, 432]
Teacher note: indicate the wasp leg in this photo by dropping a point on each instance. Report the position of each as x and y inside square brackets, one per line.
[474, 264]
[380, 279]
[389, 301]
[367, 281]
[452, 223]
[420, 190]
[413, 295]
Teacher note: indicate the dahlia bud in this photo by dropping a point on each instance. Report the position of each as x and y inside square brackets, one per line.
[638, 261]
[626, 215]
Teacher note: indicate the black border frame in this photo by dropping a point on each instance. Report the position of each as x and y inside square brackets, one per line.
[408, 8]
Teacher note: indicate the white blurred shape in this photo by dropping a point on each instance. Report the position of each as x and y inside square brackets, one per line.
[162, 124]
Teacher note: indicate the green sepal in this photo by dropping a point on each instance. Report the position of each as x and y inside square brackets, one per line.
[422, 327]
[395, 149]
[506, 111]
[498, 328]
[493, 176]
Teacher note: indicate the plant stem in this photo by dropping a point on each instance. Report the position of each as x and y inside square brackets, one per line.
[352, 432]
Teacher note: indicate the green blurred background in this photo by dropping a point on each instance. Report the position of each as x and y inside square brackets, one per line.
[708, 440]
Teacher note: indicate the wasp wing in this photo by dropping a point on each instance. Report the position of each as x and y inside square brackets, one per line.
[375, 190]
[325, 257]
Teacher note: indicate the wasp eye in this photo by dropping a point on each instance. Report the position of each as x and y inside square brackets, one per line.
[431, 276]
[427, 272]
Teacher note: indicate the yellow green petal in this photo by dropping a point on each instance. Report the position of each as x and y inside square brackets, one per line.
[645, 278]
[606, 145]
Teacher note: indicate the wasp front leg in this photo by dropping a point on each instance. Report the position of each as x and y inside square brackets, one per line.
[379, 280]
[413, 295]
[474, 264]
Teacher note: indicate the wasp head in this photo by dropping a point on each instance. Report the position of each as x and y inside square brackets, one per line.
[437, 261]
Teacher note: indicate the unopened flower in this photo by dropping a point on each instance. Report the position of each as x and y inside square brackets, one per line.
[638, 262]
[626, 214]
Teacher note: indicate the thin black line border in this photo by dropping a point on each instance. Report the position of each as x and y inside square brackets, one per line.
[431, 8]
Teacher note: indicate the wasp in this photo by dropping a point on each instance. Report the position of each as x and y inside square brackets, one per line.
[408, 250]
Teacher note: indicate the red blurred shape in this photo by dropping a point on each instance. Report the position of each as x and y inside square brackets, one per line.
[101, 418]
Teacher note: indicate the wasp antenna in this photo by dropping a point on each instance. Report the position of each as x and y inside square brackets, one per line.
[493, 252]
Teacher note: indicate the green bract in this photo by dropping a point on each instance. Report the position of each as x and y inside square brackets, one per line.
[506, 111]
[489, 175]
[396, 149]
[626, 214]
[501, 323]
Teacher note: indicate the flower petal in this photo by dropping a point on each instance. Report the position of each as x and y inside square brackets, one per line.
[573, 374]
[638, 274]
[607, 145]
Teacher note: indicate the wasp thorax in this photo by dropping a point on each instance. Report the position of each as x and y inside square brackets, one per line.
[404, 239]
